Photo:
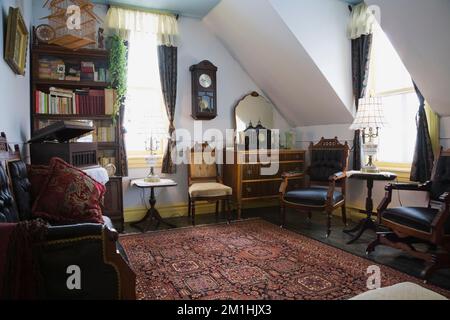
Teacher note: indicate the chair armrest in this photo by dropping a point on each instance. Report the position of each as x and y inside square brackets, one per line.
[337, 176]
[79, 230]
[409, 186]
[286, 176]
[292, 175]
[445, 197]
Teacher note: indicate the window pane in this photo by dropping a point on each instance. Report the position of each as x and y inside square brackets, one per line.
[145, 114]
[389, 71]
[397, 140]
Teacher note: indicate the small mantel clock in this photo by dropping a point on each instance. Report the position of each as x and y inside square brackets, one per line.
[204, 91]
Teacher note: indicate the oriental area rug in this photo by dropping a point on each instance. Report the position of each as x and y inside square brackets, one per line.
[251, 259]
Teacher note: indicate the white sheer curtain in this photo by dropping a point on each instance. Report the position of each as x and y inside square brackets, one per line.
[125, 21]
[361, 21]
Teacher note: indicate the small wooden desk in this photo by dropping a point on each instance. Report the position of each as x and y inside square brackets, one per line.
[367, 223]
[152, 213]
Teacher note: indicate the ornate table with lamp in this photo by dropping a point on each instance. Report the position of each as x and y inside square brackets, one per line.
[152, 213]
[369, 119]
[367, 223]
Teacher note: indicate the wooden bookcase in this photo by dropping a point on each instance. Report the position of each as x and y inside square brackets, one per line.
[108, 149]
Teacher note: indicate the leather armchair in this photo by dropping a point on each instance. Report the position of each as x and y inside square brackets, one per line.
[327, 171]
[410, 225]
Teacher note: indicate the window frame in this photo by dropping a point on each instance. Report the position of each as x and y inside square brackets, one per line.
[401, 169]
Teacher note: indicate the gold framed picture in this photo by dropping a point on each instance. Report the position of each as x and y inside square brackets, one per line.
[16, 41]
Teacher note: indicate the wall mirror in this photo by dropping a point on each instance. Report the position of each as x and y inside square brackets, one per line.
[253, 108]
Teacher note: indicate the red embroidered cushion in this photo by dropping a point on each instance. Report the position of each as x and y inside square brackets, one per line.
[69, 196]
[37, 175]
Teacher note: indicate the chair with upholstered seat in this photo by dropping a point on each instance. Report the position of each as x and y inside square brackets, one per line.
[411, 225]
[205, 182]
[329, 162]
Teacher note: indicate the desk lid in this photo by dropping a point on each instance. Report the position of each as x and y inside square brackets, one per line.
[61, 131]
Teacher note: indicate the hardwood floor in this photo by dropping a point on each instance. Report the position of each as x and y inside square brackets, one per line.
[315, 228]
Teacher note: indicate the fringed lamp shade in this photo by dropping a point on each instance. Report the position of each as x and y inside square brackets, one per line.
[370, 114]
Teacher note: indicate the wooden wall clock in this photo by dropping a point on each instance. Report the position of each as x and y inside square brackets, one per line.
[204, 91]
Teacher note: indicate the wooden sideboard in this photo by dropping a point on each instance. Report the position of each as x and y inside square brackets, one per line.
[244, 174]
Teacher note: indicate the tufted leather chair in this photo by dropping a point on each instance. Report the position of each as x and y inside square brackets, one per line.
[410, 225]
[21, 188]
[327, 170]
[8, 210]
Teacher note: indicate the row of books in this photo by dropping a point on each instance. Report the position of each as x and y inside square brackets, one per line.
[58, 69]
[75, 102]
[104, 134]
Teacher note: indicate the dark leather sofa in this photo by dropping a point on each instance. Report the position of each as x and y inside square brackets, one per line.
[94, 248]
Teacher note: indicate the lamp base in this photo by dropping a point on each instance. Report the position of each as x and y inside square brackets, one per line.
[370, 169]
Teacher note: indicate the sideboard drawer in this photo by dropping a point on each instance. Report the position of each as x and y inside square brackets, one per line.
[292, 156]
[257, 189]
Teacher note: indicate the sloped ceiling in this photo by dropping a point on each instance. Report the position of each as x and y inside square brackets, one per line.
[266, 47]
[420, 32]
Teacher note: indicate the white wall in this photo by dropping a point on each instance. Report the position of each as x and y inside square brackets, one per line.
[197, 43]
[14, 89]
[321, 27]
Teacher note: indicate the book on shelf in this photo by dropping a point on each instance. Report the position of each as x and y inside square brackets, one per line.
[105, 134]
[75, 102]
[51, 68]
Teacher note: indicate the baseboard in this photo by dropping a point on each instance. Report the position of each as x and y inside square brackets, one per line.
[181, 209]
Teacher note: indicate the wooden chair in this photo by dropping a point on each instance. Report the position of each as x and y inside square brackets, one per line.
[411, 225]
[205, 182]
[329, 162]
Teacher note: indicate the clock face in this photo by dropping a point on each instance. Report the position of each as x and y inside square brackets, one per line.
[205, 81]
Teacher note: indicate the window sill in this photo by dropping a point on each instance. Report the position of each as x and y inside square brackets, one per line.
[140, 162]
[402, 170]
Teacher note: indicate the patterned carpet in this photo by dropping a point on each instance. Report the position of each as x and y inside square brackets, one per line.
[251, 259]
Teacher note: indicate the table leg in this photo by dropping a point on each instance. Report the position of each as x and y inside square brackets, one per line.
[152, 214]
[366, 223]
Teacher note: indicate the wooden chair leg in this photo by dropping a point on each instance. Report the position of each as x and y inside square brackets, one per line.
[217, 210]
[228, 204]
[193, 213]
[189, 206]
[282, 215]
[344, 215]
[328, 223]
[371, 247]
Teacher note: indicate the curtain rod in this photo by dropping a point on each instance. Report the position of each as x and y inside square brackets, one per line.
[148, 10]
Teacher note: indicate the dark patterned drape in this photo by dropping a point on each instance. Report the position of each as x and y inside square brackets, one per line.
[423, 154]
[361, 48]
[168, 63]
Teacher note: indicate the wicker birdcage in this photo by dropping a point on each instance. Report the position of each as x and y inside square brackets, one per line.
[72, 38]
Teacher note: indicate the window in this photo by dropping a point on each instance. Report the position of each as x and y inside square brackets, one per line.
[145, 114]
[389, 79]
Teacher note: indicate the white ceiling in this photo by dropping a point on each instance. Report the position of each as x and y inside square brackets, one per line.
[420, 32]
[272, 55]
